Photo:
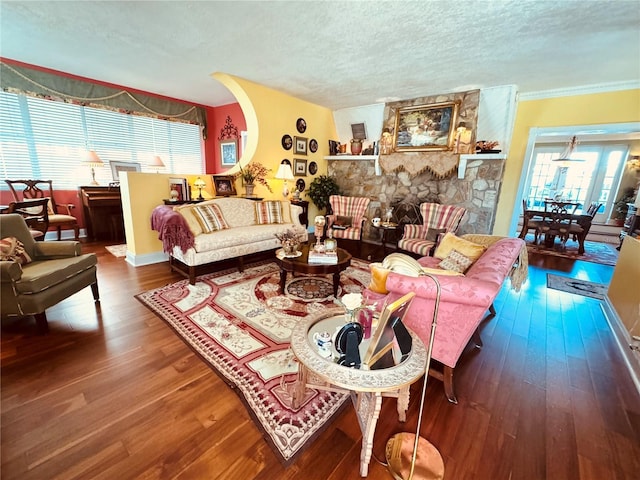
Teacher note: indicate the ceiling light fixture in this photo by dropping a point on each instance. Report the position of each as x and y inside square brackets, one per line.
[566, 155]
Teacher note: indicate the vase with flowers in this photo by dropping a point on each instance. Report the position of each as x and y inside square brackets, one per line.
[357, 311]
[253, 173]
[290, 240]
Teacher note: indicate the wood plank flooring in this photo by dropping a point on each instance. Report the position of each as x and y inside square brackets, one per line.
[113, 393]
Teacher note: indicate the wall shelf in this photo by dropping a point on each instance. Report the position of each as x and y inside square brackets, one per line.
[464, 159]
[375, 159]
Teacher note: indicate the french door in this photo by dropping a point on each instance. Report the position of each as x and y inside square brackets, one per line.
[593, 179]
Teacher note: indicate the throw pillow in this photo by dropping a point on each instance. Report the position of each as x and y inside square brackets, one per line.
[456, 262]
[342, 222]
[451, 242]
[432, 234]
[190, 218]
[210, 218]
[12, 250]
[439, 271]
[379, 276]
[404, 264]
[268, 212]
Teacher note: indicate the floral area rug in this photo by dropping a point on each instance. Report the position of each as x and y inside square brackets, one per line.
[578, 287]
[117, 250]
[240, 324]
[595, 252]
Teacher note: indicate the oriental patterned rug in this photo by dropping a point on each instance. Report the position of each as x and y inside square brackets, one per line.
[117, 250]
[240, 324]
[595, 252]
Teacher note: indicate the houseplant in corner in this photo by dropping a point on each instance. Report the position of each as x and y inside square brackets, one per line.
[252, 173]
[321, 189]
[620, 208]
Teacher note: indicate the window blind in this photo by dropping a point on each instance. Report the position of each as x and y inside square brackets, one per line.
[43, 139]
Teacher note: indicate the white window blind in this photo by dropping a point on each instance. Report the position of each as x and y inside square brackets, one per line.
[42, 139]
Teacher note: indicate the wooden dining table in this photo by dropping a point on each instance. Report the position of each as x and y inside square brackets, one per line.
[584, 221]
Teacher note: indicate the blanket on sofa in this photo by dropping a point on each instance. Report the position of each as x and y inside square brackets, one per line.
[519, 272]
[172, 227]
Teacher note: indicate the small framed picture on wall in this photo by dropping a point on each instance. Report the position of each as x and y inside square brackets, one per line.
[300, 145]
[229, 152]
[299, 167]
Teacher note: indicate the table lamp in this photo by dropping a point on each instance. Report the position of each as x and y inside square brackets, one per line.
[285, 173]
[93, 160]
[410, 454]
[157, 162]
[200, 184]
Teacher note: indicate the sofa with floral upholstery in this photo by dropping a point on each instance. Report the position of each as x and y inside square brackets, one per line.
[467, 292]
[223, 228]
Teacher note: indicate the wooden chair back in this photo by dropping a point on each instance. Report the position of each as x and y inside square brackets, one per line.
[33, 189]
[35, 213]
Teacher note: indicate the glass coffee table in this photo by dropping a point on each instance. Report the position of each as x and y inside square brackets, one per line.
[366, 387]
[300, 264]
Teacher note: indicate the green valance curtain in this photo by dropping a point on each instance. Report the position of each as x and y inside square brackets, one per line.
[27, 81]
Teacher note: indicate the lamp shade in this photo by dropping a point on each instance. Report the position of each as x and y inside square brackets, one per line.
[93, 159]
[157, 162]
[284, 172]
[199, 183]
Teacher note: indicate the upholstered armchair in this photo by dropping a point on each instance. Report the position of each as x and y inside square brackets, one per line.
[347, 217]
[59, 214]
[437, 220]
[37, 275]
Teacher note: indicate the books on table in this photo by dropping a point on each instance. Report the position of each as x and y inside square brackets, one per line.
[323, 257]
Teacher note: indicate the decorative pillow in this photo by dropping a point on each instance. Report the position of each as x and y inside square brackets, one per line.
[456, 262]
[432, 234]
[190, 218]
[451, 242]
[210, 218]
[268, 212]
[12, 250]
[379, 276]
[404, 264]
[342, 222]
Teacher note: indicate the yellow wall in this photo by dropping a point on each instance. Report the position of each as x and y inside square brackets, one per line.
[141, 193]
[623, 292]
[270, 114]
[594, 109]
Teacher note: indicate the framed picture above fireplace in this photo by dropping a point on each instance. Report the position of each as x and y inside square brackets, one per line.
[421, 128]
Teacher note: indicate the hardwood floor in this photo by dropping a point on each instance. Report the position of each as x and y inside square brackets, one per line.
[113, 393]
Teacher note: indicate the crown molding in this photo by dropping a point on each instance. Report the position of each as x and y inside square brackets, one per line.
[582, 90]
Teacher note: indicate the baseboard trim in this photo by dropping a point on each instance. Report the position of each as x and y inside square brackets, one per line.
[624, 341]
[147, 259]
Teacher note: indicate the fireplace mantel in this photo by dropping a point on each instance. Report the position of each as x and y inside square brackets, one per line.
[375, 159]
[464, 159]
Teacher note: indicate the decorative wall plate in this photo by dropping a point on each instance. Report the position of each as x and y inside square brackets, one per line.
[313, 145]
[301, 125]
[287, 142]
[300, 185]
[313, 168]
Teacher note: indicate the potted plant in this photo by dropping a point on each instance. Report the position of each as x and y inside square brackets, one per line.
[252, 173]
[321, 189]
[620, 208]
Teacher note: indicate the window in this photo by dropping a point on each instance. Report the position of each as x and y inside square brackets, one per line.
[48, 140]
[595, 179]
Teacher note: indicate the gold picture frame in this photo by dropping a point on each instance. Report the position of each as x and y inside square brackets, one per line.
[423, 128]
[224, 185]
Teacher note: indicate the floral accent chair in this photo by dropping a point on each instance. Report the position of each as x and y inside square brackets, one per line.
[347, 217]
[437, 220]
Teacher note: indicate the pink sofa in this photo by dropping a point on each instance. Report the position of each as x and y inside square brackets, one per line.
[464, 300]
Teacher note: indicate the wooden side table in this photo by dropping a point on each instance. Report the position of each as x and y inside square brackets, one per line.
[366, 387]
[385, 228]
[304, 216]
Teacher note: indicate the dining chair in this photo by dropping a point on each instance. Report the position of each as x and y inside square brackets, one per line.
[60, 216]
[35, 213]
[580, 228]
[529, 222]
[555, 224]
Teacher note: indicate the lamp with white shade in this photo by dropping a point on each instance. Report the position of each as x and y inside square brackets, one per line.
[285, 173]
[93, 160]
[157, 162]
[200, 184]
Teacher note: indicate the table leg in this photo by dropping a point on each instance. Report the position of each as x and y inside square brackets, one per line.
[297, 394]
[367, 406]
[336, 283]
[403, 403]
[283, 279]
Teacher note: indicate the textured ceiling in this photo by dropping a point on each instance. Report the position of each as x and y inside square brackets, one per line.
[338, 54]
